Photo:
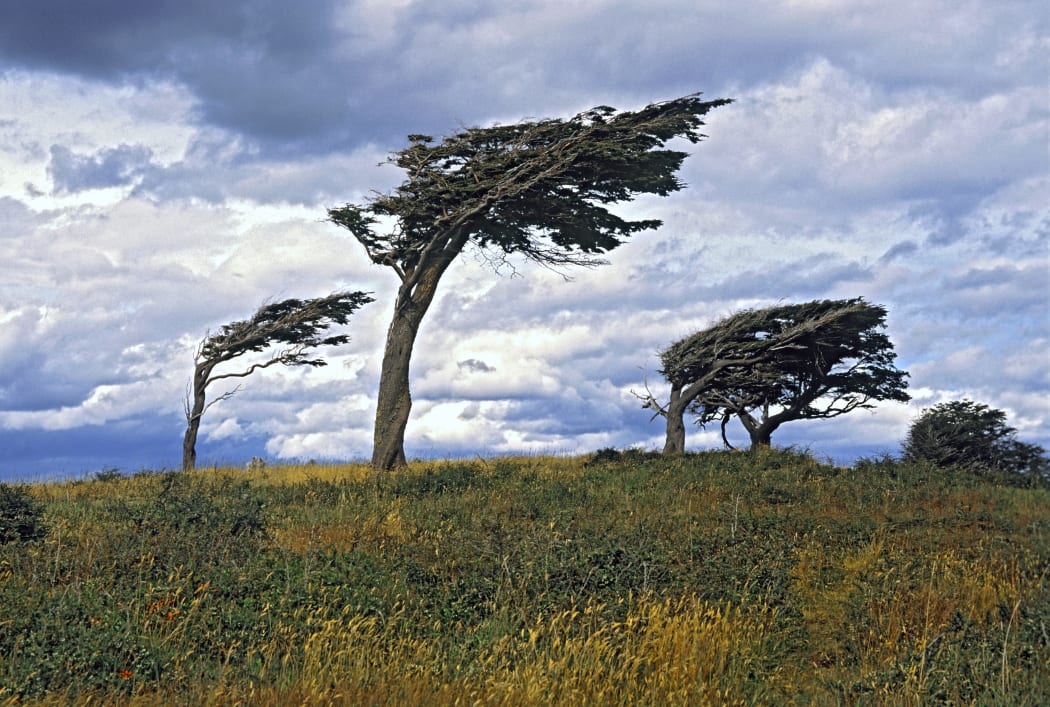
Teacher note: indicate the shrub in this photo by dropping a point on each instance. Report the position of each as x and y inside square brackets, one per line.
[20, 516]
[108, 474]
[967, 434]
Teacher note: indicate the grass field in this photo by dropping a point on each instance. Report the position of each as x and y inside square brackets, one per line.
[715, 578]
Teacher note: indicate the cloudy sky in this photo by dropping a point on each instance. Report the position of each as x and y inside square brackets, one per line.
[165, 167]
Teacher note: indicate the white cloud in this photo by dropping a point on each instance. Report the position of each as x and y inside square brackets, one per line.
[893, 151]
[229, 428]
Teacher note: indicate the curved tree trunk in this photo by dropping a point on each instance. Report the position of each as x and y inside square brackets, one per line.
[189, 444]
[675, 440]
[725, 438]
[194, 412]
[394, 398]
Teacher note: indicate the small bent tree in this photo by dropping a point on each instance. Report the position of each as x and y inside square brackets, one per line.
[963, 433]
[298, 325]
[734, 345]
[845, 363]
[777, 363]
[537, 188]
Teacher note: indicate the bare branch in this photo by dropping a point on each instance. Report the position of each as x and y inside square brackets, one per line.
[649, 400]
[225, 396]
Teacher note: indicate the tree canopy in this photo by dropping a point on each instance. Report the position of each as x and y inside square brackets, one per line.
[298, 325]
[964, 433]
[539, 188]
[839, 361]
[768, 366]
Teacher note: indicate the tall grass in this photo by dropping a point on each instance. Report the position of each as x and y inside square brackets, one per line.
[718, 578]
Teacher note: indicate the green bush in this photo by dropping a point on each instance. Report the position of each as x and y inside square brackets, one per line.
[962, 433]
[20, 516]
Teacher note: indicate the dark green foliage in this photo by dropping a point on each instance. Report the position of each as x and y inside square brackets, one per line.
[83, 608]
[813, 360]
[612, 455]
[832, 358]
[454, 478]
[188, 507]
[300, 324]
[606, 454]
[20, 516]
[966, 434]
[108, 474]
[539, 188]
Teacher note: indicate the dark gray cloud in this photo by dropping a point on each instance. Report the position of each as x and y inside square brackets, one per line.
[110, 167]
[264, 69]
[473, 364]
[301, 78]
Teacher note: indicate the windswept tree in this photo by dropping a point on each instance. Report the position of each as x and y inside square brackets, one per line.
[294, 326]
[538, 188]
[846, 364]
[766, 367]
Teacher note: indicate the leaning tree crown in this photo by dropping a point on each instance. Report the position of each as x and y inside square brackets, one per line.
[538, 188]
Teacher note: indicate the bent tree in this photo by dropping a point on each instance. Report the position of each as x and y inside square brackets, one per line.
[297, 324]
[844, 363]
[773, 365]
[537, 188]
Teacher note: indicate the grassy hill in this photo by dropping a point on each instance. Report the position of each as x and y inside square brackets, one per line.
[721, 578]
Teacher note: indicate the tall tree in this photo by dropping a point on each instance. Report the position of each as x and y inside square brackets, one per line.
[537, 188]
[773, 365]
[298, 325]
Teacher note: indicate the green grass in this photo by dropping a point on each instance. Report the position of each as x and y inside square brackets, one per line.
[717, 578]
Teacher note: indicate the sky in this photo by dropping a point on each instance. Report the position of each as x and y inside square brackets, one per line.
[166, 167]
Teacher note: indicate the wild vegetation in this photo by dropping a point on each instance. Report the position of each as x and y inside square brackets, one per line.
[760, 577]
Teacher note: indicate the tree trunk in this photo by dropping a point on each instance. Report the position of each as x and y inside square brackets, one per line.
[761, 437]
[189, 445]
[394, 398]
[193, 417]
[760, 432]
[675, 441]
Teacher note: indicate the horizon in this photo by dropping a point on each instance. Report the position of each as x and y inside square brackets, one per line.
[166, 169]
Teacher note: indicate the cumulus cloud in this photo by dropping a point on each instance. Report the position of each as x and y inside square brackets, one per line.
[166, 169]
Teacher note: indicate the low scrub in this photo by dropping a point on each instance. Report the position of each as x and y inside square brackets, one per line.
[715, 578]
